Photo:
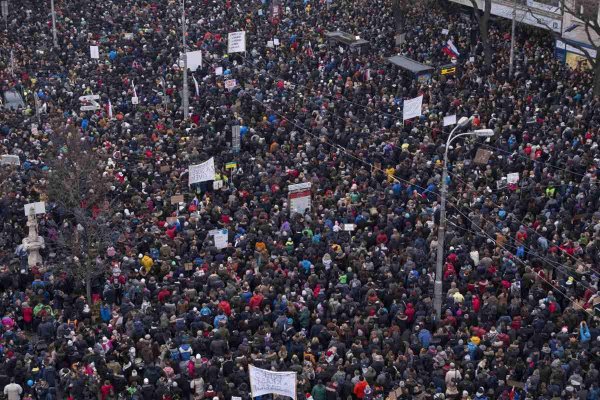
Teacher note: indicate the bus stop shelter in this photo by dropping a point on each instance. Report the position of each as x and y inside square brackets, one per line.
[420, 71]
[347, 40]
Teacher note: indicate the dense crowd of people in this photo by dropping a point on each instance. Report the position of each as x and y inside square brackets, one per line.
[341, 294]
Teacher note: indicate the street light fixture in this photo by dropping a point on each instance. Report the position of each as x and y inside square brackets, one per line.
[464, 121]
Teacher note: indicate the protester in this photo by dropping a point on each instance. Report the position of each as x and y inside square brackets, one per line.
[341, 294]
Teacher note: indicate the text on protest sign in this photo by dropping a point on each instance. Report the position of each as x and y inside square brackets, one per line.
[236, 42]
[512, 177]
[202, 172]
[264, 382]
[89, 102]
[412, 108]
[230, 84]
[220, 237]
[300, 197]
[10, 159]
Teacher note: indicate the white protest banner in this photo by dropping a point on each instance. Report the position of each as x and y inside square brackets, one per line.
[230, 84]
[219, 71]
[445, 31]
[194, 60]
[236, 42]
[135, 100]
[220, 237]
[512, 178]
[37, 208]
[276, 42]
[412, 108]
[270, 44]
[263, 382]
[202, 172]
[10, 159]
[89, 102]
[94, 52]
[349, 227]
[299, 196]
[450, 120]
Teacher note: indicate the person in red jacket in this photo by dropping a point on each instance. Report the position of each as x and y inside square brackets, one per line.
[225, 307]
[409, 312]
[256, 300]
[476, 304]
[27, 312]
[359, 388]
[107, 391]
[163, 295]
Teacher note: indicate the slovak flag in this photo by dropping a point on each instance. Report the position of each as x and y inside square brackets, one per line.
[450, 49]
[309, 50]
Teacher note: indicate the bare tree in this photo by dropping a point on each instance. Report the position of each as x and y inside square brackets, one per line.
[586, 13]
[397, 13]
[483, 21]
[81, 193]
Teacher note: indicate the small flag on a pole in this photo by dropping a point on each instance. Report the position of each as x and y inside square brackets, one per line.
[196, 85]
[231, 165]
[110, 110]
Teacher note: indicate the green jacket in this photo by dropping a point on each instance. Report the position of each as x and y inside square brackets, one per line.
[319, 392]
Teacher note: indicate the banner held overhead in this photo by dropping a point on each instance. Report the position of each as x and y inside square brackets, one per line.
[202, 172]
[412, 108]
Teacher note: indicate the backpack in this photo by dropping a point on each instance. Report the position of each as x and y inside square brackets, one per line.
[185, 351]
[174, 354]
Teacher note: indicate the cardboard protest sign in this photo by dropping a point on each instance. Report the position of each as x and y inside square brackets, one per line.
[177, 199]
[482, 156]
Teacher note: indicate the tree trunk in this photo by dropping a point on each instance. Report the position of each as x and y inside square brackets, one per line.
[88, 286]
[597, 73]
[397, 12]
[485, 41]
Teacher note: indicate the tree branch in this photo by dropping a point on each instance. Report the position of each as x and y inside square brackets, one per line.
[557, 36]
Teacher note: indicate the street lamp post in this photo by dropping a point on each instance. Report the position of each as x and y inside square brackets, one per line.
[511, 67]
[437, 300]
[54, 39]
[186, 100]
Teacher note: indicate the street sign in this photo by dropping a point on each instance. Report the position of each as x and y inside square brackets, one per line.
[4, 8]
